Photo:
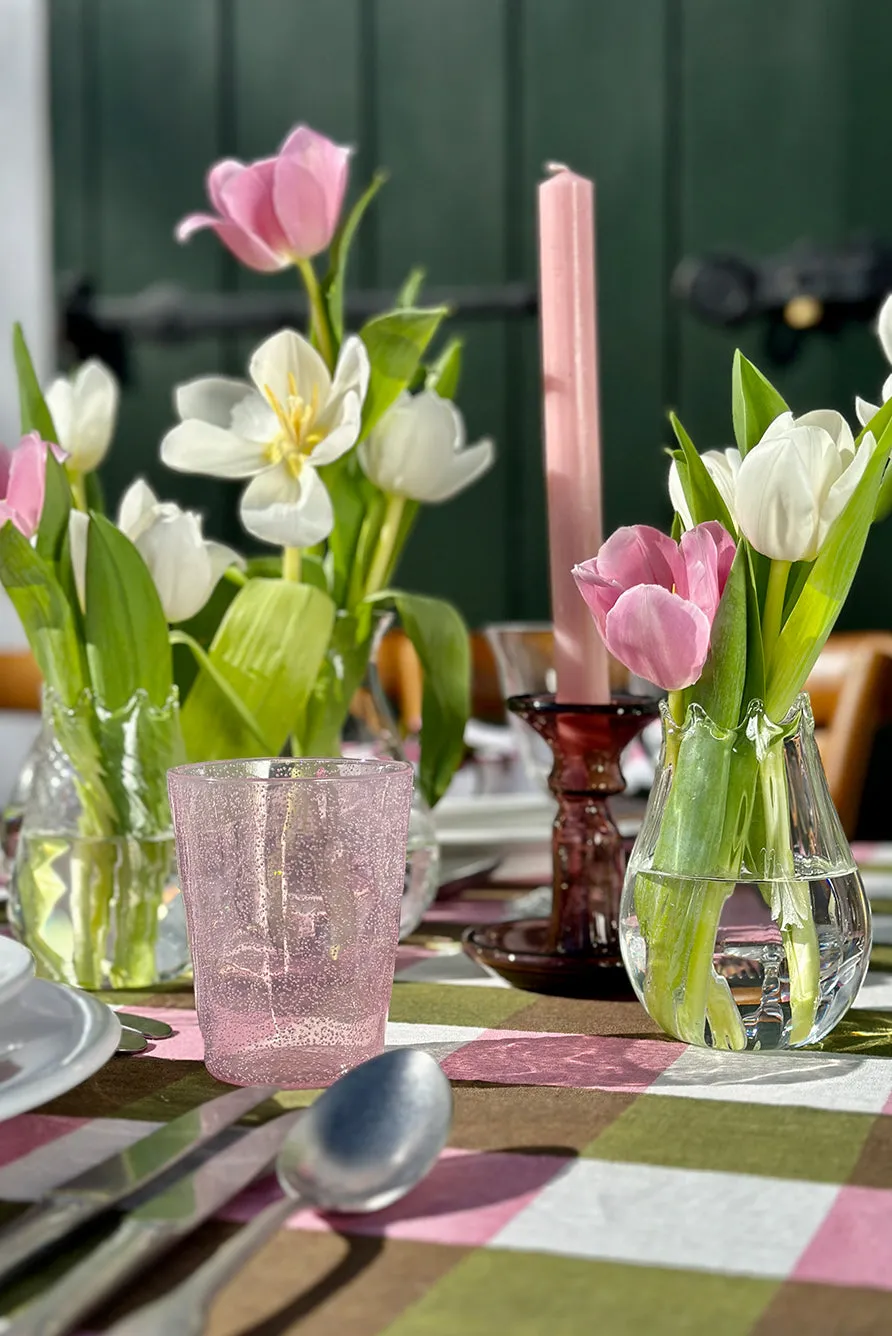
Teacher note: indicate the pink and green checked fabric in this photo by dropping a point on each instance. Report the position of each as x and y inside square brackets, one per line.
[599, 1177]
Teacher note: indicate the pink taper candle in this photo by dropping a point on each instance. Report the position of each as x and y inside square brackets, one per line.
[572, 431]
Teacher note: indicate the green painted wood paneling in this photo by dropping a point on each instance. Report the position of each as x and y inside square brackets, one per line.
[440, 114]
[594, 97]
[155, 135]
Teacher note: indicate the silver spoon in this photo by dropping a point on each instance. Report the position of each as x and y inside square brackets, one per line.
[369, 1139]
[146, 1025]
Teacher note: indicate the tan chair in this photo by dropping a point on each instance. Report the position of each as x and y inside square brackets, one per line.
[851, 695]
[20, 681]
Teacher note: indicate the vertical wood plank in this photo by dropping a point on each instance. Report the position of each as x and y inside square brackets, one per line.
[155, 138]
[594, 97]
[440, 113]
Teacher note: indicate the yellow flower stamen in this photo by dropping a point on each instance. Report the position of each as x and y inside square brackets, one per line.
[298, 432]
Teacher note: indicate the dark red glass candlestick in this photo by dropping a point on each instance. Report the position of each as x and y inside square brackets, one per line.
[575, 952]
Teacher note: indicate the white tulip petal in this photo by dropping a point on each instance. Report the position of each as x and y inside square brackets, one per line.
[255, 419]
[352, 370]
[60, 401]
[78, 529]
[211, 399]
[200, 447]
[341, 428]
[468, 465]
[284, 355]
[777, 510]
[833, 423]
[866, 411]
[221, 558]
[887, 389]
[173, 550]
[884, 327]
[840, 493]
[287, 511]
[779, 427]
[137, 505]
[678, 498]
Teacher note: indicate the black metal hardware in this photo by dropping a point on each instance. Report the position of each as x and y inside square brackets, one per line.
[808, 287]
[94, 325]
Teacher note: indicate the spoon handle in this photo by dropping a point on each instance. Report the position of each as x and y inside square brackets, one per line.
[183, 1311]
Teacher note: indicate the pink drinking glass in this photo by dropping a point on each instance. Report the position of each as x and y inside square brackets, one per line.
[292, 875]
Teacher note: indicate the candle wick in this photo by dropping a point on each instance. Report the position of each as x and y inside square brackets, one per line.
[554, 167]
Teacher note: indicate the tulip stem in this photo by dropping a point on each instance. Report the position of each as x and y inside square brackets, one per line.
[773, 614]
[388, 535]
[320, 324]
[291, 564]
[78, 490]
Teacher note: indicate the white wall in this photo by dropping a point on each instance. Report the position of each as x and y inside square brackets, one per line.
[26, 288]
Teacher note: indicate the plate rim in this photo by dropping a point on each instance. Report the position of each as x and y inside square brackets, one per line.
[25, 975]
[101, 1028]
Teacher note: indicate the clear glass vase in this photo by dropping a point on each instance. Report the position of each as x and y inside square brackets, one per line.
[362, 724]
[743, 920]
[93, 890]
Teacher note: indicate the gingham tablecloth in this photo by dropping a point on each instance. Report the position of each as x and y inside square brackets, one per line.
[599, 1178]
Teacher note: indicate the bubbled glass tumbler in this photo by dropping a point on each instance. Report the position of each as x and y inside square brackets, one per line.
[292, 874]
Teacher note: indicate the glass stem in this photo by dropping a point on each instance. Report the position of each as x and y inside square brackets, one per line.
[385, 548]
[319, 316]
[291, 564]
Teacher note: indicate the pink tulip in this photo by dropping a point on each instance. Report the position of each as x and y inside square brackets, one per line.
[277, 210]
[22, 482]
[654, 600]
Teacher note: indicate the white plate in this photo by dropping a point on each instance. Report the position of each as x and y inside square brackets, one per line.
[488, 820]
[51, 1039]
[16, 967]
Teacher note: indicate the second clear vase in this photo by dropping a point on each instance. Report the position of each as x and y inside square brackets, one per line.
[743, 922]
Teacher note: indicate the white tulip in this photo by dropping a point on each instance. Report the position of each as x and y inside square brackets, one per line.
[864, 409]
[294, 418]
[723, 467]
[84, 410]
[794, 483]
[184, 566]
[418, 450]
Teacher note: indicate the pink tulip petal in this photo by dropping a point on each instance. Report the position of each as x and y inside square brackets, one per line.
[328, 162]
[220, 173]
[700, 556]
[658, 636]
[27, 480]
[249, 250]
[727, 550]
[599, 594]
[7, 513]
[5, 464]
[247, 201]
[638, 554]
[302, 209]
[194, 222]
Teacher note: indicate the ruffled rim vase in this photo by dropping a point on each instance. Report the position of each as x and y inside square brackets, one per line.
[743, 921]
[93, 891]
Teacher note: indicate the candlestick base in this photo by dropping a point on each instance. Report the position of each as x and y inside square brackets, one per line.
[575, 952]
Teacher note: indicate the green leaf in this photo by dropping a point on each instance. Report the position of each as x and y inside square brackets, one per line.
[443, 375]
[755, 403]
[352, 495]
[32, 406]
[754, 686]
[720, 686]
[877, 425]
[205, 662]
[333, 283]
[440, 638]
[316, 730]
[411, 289]
[824, 592]
[94, 493]
[703, 497]
[124, 624]
[45, 613]
[269, 648]
[53, 527]
[201, 629]
[396, 343]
